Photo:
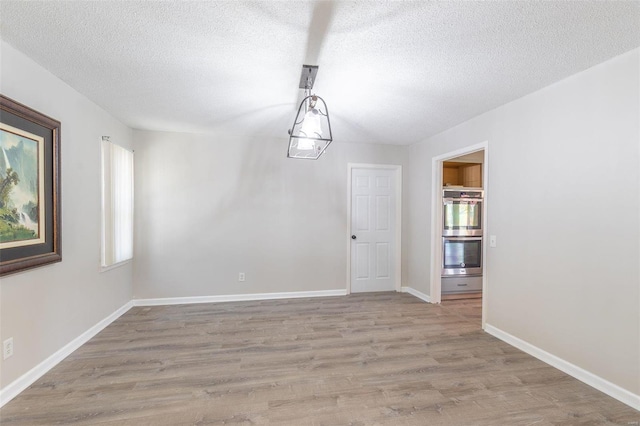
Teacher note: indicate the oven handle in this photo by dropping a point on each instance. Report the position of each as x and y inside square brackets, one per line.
[451, 200]
[462, 238]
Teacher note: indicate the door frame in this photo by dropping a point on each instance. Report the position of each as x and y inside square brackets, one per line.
[398, 207]
[436, 221]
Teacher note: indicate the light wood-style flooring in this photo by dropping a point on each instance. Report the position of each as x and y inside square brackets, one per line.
[371, 359]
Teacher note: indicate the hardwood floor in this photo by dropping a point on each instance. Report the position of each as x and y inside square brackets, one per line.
[371, 359]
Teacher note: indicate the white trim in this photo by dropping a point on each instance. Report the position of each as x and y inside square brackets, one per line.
[485, 242]
[420, 295]
[115, 265]
[436, 221]
[236, 297]
[436, 229]
[399, 228]
[398, 169]
[581, 374]
[21, 383]
[348, 236]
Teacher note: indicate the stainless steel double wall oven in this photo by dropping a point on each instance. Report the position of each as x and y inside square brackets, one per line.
[462, 240]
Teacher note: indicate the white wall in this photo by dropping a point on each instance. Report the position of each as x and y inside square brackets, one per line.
[563, 200]
[43, 309]
[210, 206]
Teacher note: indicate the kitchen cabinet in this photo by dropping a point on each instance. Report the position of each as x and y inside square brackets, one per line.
[464, 174]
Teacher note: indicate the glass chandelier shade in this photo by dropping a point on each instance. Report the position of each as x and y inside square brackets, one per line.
[310, 134]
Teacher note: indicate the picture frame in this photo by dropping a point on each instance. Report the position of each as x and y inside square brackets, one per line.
[30, 216]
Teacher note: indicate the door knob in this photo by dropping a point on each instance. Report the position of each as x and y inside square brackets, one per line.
[353, 237]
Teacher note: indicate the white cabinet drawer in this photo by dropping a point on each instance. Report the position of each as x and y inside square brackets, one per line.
[452, 285]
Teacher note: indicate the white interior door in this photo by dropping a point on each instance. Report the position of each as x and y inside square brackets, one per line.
[373, 229]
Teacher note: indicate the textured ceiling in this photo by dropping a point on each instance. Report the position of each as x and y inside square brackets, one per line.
[390, 71]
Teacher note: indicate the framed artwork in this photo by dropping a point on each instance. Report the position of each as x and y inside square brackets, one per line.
[29, 188]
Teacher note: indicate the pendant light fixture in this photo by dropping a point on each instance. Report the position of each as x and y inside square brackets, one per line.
[310, 134]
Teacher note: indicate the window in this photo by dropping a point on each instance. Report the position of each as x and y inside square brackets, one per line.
[117, 204]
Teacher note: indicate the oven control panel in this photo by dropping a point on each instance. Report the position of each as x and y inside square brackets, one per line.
[472, 193]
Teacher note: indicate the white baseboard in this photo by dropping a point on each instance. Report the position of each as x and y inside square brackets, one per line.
[416, 293]
[236, 297]
[21, 383]
[585, 376]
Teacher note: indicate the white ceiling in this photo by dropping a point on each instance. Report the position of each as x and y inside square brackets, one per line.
[391, 71]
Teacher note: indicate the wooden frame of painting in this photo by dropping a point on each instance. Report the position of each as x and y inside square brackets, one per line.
[29, 188]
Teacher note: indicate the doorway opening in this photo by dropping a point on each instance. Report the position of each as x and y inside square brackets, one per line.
[460, 173]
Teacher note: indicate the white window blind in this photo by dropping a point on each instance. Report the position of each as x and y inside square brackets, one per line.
[117, 203]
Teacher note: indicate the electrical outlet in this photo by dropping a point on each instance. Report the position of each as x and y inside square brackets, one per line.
[241, 276]
[7, 348]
